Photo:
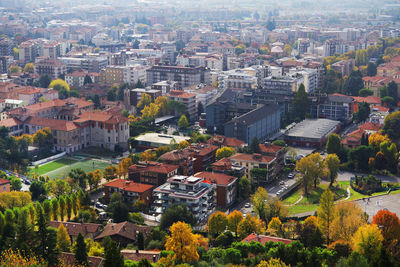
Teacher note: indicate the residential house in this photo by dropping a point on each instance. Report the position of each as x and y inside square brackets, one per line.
[123, 233]
[188, 99]
[87, 230]
[153, 173]
[129, 190]
[251, 161]
[5, 185]
[221, 141]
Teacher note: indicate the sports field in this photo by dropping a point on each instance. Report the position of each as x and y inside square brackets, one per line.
[61, 167]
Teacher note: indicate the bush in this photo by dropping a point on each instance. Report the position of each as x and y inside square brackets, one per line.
[341, 247]
[155, 244]
[232, 255]
[366, 185]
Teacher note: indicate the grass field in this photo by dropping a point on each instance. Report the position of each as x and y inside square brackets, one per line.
[311, 202]
[61, 167]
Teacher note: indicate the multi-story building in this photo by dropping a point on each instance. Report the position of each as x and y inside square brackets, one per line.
[112, 75]
[335, 107]
[153, 173]
[165, 86]
[204, 93]
[76, 79]
[133, 74]
[129, 190]
[191, 191]
[310, 78]
[188, 99]
[52, 67]
[284, 85]
[262, 123]
[344, 66]
[135, 95]
[251, 161]
[236, 79]
[52, 50]
[226, 187]
[28, 51]
[91, 64]
[6, 47]
[184, 76]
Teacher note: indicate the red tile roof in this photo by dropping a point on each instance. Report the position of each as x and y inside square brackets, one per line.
[69, 259]
[252, 158]
[128, 185]
[155, 167]
[101, 116]
[265, 238]
[181, 94]
[74, 229]
[4, 181]
[124, 229]
[217, 178]
[270, 149]
[225, 141]
[10, 122]
[134, 255]
[369, 126]
[58, 125]
[368, 99]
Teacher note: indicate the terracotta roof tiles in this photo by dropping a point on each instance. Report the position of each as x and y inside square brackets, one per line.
[127, 185]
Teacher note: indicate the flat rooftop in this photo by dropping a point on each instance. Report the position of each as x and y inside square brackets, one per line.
[164, 139]
[313, 128]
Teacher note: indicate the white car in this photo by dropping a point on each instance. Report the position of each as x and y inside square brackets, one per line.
[247, 205]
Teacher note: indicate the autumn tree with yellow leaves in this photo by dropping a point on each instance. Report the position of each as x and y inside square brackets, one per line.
[217, 223]
[182, 242]
[234, 219]
[249, 225]
[368, 241]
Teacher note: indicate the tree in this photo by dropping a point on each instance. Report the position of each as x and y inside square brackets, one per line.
[365, 92]
[150, 111]
[140, 241]
[347, 219]
[217, 223]
[24, 232]
[57, 187]
[360, 156]
[371, 69]
[301, 104]
[354, 83]
[326, 213]
[176, 213]
[259, 175]
[74, 203]
[14, 69]
[244, 188]
[183, 144]
[145, 100]
[110, 173]
[183, 122]
[78, 177]
[63, 239]
[112, 254]
[272, 263]
[332, 163]
[363, 112]
[29, 68]
[182, 242]
[59, 84]
[44, 81]
[54, 208]
[309, 233]
[249, 225]
[68, 206]
[376, 139]
[61, 205]
[87, 80]
[255, 146]
[81, 257]
[389, 224]
[310, 169]
[392, 92]
[275, 227]
[391, 126]
[234, 218]
[162, 103]
[46, 240]
[200, 109]
[225, 152]
[368, 242]
[267, 207]
[16, 183]
[119, 210]
[124, 165]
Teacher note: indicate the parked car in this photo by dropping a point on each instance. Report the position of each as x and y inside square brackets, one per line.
[282, 183]
[247, 205]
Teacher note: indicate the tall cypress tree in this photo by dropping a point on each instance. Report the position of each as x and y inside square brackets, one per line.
[112, 254]
[81, 257]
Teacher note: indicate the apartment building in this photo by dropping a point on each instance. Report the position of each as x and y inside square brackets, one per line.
[28, 51]
[194, 192]
[76, 79]
[251, 161]
[51, 67]
[335, 107]
[184, 76]
[135, 73]
[135, 95]
[6, 47]
[89, 63]
[188, 99]
[236, 79]
[204, 93]
[52, 50]
[112, 75]
[154, 173]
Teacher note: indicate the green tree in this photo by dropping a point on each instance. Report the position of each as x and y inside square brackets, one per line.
[326, 213]
[392, 91]
[255, 146]
[365, 92]
[391, 126]
[112, 254]
[61, 206]
[47, 209]
[360, 156]
[244, 188]
[176, 213]
[371, 69]
[24, 232]
[140, 241]
[44, 81]
[78, 177]
[200, 109]
[225, 152]
[54, 208]
[301, 104]
[46, 240]
[259, 175]
[333, 145]
[183, 122]
[87, 79]
[363, 112]
[217, 223]
[354, 83]
[68, 206]
[81, 257]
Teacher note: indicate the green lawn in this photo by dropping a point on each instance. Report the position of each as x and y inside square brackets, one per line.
[311, 202]
[61, 167]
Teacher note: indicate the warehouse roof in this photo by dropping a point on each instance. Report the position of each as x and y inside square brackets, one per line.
[313, 128]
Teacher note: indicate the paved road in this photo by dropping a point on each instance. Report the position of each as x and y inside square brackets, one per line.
[345, 176]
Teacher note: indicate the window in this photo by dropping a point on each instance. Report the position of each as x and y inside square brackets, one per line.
[109, 139]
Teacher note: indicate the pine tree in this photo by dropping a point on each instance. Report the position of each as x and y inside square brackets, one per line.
[74, 203]
[255, 146]
[81, 257]
[68, 207]
[47, 209]
[140, 241]
[61, 207]
[112, 254]
[24, 232]
[54, 208]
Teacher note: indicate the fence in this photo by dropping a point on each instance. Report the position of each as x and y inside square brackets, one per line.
[42, 161]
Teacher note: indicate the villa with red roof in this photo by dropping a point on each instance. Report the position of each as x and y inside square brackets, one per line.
[130, 191]
[251, 161]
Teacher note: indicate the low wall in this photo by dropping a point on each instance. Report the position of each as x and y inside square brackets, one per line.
[42, 161]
